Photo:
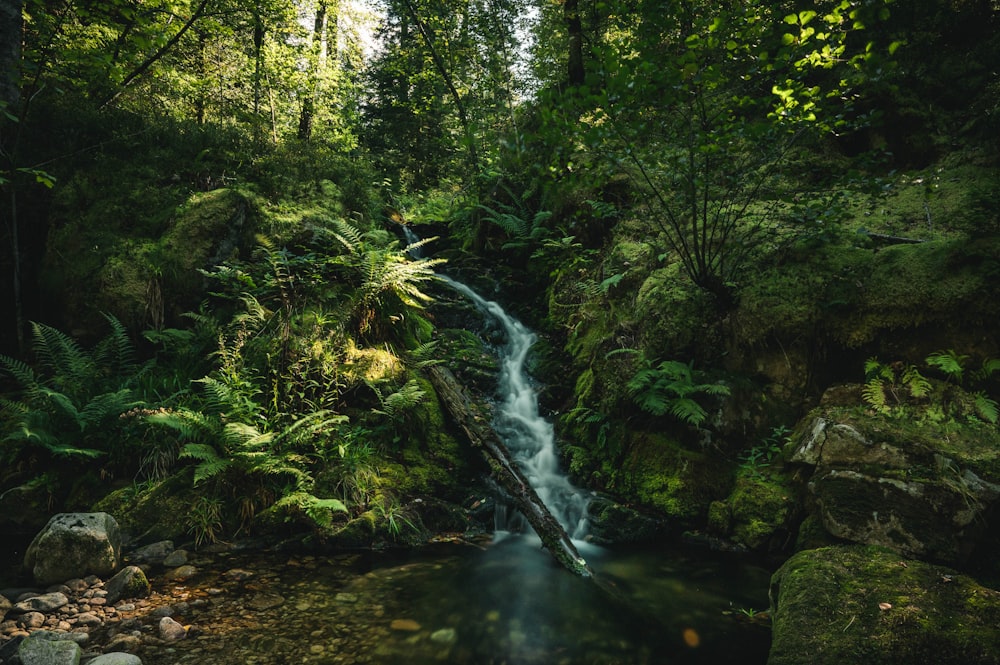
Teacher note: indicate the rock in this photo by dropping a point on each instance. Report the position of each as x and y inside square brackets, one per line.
[238, 574]
[900, 484]
[176, 558]
[404, 625]
[44, 603]
[828, 602]
[42, 650]
[88, 619]
[180, 574]
[124, 642]
[129, 582]
[5, 606]
[446, 636]
[72, 545]
[33, 620]
[612, 523]
[170, 630]
[154, 553]
[265, 601]
[116, 658]
[9, 649]
[346, 597]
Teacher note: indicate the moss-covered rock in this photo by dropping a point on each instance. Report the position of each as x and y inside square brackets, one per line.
[922, 488]
[153, 511]
[614, 523]
[668, 478]
[854, 604]
[761, 507]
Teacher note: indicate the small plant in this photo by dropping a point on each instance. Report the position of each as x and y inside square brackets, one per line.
[762, 455]
[669, 387]
[887, 386]
[204, 520]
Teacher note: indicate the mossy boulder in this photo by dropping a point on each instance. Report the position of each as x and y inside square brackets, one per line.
[861, 604]
[613, 523]
[921, 488]
[761, 509]
[152, 511]
[668, 478]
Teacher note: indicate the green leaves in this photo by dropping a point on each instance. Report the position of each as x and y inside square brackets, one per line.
[669, 388]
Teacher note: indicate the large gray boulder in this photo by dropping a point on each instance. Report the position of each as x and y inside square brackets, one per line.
[45, 649]
[116, 658]
[898, 484]
[74, 545]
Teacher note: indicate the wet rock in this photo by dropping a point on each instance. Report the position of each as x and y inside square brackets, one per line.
[863, 604]
[404, 625]
[238, 575]
[180, 574]
[72, 545]
[129, 582]
[345, 597]
[176, 558]
[154, 553]
[612, 523]
[170, 631]
[32, 620]
[265, 601]
[88, 619]
[9, 649]
[5, 606]
[42, 649]
[116, 658]
[446, 636]
[124, 642]
[44, 603]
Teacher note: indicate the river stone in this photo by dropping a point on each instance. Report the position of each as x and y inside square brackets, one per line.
[129, 582]
[446, 636]
[153, 553]
[124, 642]
[865, 604]
[405, 625]
[116, 658]
[44, 603]
[265, 601]
[5, 606]
[74, 545]
[170, 630]
[40, 650]
[32, 620]
[175, 558]
[180, 574]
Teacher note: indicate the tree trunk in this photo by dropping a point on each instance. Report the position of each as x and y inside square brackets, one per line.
[318, 57]
[506, 471]
[574, 28]
[10, 53]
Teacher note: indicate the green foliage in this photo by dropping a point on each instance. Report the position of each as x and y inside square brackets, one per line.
[949, 362]
[887, 386]
[669, 387]
[761, 456]
[70, 406]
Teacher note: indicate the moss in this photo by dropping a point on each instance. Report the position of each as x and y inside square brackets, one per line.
[660, 473]
[761, 507]
[826, 603]
[153, 511]
[358, 533]
[671, 311]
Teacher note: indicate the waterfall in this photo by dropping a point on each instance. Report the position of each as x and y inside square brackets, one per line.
[529, 437]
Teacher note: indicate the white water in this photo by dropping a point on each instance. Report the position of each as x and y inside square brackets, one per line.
[529, 437]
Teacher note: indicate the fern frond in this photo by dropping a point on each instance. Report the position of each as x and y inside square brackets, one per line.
[189, 424]
[63, 404]
[403, 400]
[688, 411]
[915, 382]
[875, 369]
[211, 464]
[319, 510]
[873, 394]
[105, 406]
[62, 355]
[116, 353]
[64, 450]
[987, 408]
[243, 436]
[348, 236]
[949, 362]
[21, 372]
[990, 365]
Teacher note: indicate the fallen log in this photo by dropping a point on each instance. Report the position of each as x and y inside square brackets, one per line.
[506, 471]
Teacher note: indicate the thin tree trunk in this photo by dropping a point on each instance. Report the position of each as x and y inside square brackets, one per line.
[11, 26]
[574, 28]
[318, 54]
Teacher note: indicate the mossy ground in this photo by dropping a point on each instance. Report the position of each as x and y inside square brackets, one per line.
[855, 604]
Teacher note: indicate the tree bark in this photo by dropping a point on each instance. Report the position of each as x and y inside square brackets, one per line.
[506, 471]
[318, 54]
[574, 28]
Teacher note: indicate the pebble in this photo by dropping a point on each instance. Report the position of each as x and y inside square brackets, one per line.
[170, 630]
[405, 625]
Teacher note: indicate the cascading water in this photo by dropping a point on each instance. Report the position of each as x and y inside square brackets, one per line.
[529, 437]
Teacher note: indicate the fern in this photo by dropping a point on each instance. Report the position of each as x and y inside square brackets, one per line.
[949, 362]
[318, 510]
[210, 463]
[915, 382]
[873, 393]
[668, 388]
[986, 408]
[398, 403]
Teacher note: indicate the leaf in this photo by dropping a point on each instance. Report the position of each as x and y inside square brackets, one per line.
[987, 408]
[949, 362]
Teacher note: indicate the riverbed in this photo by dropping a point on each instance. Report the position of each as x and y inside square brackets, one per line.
[504, 602]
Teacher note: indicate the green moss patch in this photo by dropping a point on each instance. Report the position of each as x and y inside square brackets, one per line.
[867, 605]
